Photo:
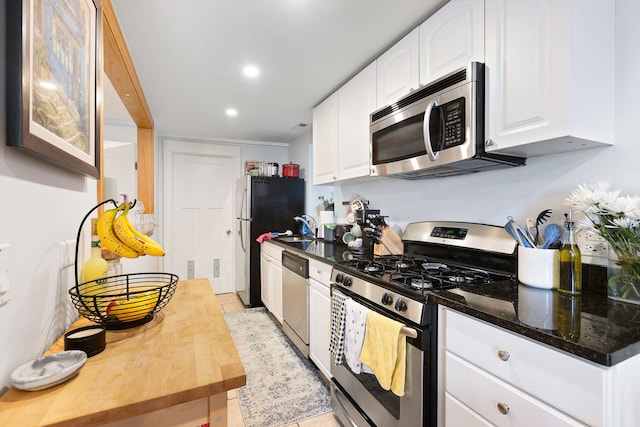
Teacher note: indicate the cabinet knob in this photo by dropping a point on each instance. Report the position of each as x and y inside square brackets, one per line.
[489, 143]
[503, 408]
[504, 355]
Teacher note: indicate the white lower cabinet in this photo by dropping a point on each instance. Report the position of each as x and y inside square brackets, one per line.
[459, 414]
[498, 402]
[509, 380]
[320, 315]
[271, 278]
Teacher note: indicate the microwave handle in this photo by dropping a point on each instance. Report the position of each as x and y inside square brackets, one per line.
[425, 129]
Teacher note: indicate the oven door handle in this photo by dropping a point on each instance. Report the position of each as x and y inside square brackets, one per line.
[410, 332]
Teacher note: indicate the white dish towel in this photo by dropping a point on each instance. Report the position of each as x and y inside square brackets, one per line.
[355, 322]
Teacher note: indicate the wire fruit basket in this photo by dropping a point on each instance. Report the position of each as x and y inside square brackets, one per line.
[122, 301]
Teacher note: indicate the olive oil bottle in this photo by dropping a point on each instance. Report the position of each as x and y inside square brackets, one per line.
[570, 261]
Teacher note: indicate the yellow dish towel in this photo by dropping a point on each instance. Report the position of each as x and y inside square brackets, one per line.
[384, 351]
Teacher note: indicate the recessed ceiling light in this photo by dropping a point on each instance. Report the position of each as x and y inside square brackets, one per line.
[231, 112]
[251, 71]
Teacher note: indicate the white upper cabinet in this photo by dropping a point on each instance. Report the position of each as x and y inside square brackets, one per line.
[397, 70]
[341, 130]
[550, 75]
[325, 141]
[356, 101]
[451, 39]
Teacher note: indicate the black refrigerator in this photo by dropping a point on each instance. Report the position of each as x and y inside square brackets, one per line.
[266, 204]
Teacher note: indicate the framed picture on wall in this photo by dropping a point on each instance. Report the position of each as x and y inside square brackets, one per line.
[54, 76]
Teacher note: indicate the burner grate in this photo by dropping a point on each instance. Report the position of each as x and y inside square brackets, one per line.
[418, 273]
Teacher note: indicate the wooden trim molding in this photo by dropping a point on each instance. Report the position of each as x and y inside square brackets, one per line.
[118, 66]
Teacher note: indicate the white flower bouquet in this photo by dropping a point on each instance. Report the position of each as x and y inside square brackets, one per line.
[617, 219]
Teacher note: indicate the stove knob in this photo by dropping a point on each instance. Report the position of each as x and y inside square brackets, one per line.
[401, 305]
[347, 281]
[339, 277]
[387, 299]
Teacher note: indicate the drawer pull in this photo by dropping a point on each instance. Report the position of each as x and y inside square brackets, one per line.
[504, 355]
[503, 408]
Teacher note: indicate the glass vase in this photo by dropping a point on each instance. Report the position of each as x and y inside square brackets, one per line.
[624, 276]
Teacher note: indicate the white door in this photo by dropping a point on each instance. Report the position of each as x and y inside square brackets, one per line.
[199, 211]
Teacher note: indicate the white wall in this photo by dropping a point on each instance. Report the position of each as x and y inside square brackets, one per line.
[41, 205]
[300, 152]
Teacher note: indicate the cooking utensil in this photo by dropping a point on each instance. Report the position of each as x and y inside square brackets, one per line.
[541, 218]
[551, 235]
[518, 232]
[532, 230]
[290, 170]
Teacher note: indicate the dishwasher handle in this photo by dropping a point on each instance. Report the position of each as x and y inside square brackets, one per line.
[296, 264]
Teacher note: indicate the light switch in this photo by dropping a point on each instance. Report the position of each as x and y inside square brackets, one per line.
[5, 286]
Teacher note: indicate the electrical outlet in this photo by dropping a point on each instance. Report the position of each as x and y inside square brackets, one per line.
[591, 244]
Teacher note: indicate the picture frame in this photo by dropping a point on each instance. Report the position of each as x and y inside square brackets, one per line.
[54, 81]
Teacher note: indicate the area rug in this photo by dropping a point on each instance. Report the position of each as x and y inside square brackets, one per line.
[283, 387]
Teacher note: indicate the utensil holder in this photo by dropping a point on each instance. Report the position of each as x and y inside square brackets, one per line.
[538, 267]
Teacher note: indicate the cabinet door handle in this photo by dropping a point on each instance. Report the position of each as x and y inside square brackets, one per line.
[503, 408]
[504, 355]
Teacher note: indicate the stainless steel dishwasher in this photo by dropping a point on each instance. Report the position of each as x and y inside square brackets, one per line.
[295, 300]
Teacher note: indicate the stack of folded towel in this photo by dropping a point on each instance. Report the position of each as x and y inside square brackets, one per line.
[369, 342]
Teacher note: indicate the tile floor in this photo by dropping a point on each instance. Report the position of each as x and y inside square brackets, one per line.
[229, 303]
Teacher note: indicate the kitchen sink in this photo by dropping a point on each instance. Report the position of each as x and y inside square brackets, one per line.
[294, 239]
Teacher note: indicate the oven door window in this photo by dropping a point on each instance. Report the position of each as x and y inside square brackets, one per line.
[390, 401]
[403, 140]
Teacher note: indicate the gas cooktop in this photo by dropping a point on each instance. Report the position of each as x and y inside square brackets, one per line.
[417, 273]
[439, 256]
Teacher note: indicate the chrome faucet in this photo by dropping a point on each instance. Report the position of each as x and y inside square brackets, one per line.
[304, 221]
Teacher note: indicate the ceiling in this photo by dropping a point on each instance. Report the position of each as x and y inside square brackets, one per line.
[189, 57]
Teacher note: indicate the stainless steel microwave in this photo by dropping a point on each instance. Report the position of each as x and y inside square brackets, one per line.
[436, 130]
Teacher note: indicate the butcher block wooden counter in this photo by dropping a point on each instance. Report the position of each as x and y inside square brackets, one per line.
[174, 370]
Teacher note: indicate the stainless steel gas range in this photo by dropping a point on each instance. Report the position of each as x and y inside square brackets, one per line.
[438, 256]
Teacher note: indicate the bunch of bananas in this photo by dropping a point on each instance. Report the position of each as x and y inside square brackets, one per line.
[117, 234]
[128, 310]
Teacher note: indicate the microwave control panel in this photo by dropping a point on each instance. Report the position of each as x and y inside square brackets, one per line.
[453, 114]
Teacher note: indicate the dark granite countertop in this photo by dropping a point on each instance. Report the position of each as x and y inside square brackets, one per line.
[590, 326]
